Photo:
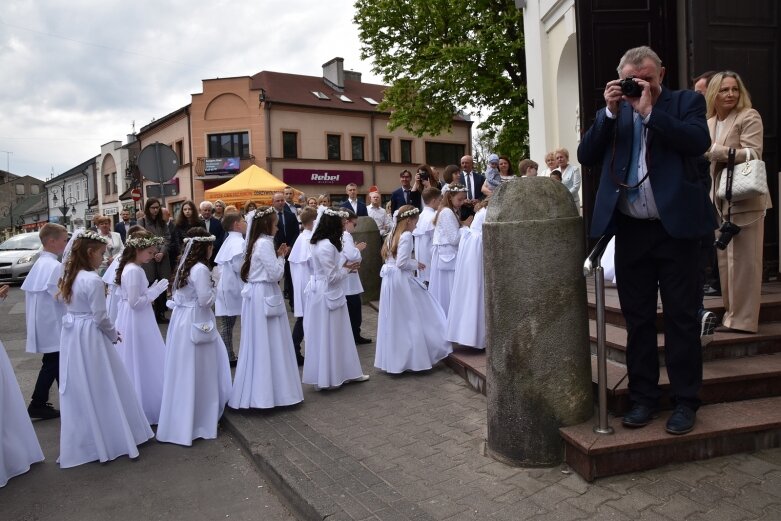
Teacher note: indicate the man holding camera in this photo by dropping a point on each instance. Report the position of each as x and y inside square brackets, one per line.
[647, 140]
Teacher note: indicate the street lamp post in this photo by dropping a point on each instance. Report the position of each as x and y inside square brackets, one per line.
[66, 203]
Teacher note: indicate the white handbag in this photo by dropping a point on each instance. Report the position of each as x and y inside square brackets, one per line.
[203, 332]
[748, 180]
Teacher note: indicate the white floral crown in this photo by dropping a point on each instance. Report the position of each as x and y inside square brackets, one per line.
[337, 213]
[208, 238]
[409, 213]
[89, 234]
[267, 211]
[455, 187]
[142, 243]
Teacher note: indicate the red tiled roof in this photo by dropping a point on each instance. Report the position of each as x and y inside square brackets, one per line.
[296, 89]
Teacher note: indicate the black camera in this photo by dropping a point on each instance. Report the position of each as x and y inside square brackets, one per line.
[727, 231]
[423, 175]
[630, 88]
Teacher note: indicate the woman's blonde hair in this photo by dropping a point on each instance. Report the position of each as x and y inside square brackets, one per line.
[714, 85]
[391, 245]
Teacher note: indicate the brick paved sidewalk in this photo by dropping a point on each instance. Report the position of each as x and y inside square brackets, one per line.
[411, 447]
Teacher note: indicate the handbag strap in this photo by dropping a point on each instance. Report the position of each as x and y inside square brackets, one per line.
[728, 184]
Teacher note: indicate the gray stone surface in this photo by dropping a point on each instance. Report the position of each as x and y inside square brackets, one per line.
[366, 231]
[538, 373]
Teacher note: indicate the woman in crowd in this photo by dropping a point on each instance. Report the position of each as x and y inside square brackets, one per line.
[450, 175]
[734, 124]
[505, 174]
[114, 247]
[249, 206]
[187, 217]
[159, 267]
[311, 202]
[570, 174]
[219, 209]
[425, 177]
[550, 164]
[324, 200]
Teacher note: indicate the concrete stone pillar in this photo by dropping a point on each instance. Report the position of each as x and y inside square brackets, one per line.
[539, 368]
[366, 231]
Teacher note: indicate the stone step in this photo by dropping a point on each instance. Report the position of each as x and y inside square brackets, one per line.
[770, 310]
[721, 429]
[725, 380]
[724, 345]
[469, 364]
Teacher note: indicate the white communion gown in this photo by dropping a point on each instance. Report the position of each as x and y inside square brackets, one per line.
[42, 306]
[267, 372]
[411, 325]
[100, 416]
[443, 257]
[197, 376]
[19, 447]
[300, 269]
[112, 299]
[424, 234]
[142, 349]
[466, 317]
[331, 356]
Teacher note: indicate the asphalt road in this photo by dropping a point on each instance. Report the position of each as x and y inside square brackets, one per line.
[209, 481]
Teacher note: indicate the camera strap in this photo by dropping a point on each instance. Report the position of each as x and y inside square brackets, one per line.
[728, 184]
[616, 179]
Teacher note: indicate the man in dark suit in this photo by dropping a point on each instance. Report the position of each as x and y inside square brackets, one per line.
[287, 233]
[212, 225]
[473, 181]
[353, 203]
[124, 225]
[288, 193]
[405, 194]
[650, 196]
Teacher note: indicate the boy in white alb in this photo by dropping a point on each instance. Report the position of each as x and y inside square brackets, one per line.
[351, 252]
[44, 311]
[229, 259]
[424, 231]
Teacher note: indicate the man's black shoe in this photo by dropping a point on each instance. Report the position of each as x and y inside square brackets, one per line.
[361, 340]
[43, 412]
[639, 416]
[681, 420]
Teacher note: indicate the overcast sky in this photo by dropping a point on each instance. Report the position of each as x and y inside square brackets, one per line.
[75, 75]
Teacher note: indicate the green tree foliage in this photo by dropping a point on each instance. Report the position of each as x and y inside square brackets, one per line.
[440, 56]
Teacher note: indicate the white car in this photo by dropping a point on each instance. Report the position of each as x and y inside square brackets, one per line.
[17, 256]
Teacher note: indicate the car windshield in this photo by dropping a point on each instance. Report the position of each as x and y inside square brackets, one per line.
[25, 241]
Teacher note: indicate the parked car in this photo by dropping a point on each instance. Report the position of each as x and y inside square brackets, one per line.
[17, 256]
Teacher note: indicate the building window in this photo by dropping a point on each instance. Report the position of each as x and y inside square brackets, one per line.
[106, 185]
[444, 153]
[180, 152]
[229, 145]
[19, 189]
[334, 147]
[385, 150]
[406, 151]
[35, 189]
[357, 147]
[290, 145]
[114, 183]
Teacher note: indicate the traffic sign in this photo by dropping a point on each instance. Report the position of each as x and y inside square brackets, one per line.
[135, 193]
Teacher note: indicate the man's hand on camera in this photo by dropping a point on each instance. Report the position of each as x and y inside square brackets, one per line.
[613, 96]
[645, 102]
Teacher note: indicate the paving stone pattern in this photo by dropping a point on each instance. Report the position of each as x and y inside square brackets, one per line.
[412, 447]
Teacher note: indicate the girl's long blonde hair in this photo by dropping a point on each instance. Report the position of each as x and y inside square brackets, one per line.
[77, 260]
[391, 245]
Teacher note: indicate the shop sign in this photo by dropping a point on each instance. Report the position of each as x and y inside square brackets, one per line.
[311, 176]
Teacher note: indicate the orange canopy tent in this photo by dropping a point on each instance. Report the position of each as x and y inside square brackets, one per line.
[253, 184]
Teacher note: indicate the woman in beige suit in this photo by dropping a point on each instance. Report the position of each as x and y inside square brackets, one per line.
[734, 124]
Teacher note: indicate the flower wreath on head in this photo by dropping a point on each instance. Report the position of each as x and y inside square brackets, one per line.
[94, 236]
[336, 213]
[409, 213]
[142, 243]
[208, 238]
[260, 214]
[455, 187]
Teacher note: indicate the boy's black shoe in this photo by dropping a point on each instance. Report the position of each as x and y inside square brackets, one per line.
[42, 412]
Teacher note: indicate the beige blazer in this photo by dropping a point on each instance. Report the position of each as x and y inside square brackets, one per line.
[740, 130]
